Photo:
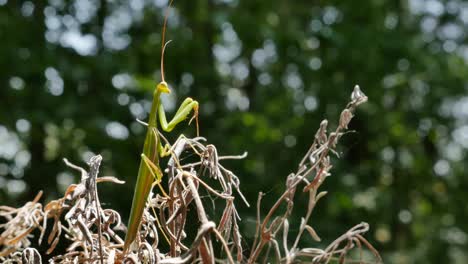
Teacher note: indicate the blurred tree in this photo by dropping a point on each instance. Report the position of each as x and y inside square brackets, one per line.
[76, 74]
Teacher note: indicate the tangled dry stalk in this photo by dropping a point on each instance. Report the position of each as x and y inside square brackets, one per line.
[194, 171]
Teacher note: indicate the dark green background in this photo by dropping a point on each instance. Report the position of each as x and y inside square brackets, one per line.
[265, 74]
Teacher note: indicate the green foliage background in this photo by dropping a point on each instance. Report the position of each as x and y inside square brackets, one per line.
[74, 75]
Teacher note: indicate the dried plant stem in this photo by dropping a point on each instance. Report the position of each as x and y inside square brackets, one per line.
[202, 214]
[315, 160]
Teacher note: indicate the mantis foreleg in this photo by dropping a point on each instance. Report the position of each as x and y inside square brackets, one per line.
[184, 110]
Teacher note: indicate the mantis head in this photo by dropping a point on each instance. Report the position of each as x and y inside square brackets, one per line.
[163, 87]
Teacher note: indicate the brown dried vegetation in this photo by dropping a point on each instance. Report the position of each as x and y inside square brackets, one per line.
[194, 172]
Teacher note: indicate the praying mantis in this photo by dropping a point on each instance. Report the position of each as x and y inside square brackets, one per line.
[149, 170]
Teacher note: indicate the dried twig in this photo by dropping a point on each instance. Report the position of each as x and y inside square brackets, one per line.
[313, 169]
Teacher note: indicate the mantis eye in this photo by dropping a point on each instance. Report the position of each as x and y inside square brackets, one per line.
[163, 87]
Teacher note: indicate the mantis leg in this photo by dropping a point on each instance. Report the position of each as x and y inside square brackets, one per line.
[157, 175]
[163, 151]
[184, 110]
[155, 172]
[187, 101]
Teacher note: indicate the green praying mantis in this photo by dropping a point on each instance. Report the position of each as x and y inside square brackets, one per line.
[149, 172]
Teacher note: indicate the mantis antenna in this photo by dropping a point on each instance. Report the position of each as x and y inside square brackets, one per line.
[163, 39]
[163, 49]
